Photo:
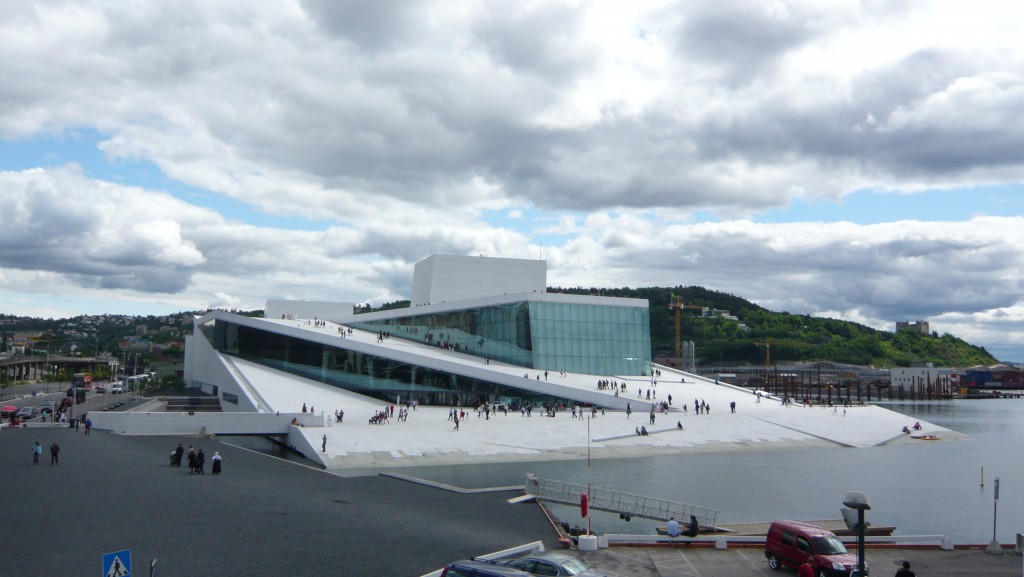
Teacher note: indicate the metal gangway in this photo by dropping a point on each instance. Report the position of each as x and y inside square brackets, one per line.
[621, 502]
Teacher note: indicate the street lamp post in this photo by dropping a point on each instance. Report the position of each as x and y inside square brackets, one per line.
[859, 502]
[994, 548]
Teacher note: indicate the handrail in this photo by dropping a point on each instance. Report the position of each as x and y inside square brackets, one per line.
[617, 501]
[261, 404]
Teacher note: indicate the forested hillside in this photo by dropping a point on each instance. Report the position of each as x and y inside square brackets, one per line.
[793, 337]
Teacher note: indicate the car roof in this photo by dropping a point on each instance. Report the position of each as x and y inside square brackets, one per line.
[805, 527]
[491, 566]
[548, 555]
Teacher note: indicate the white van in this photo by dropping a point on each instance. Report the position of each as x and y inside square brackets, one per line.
[117, 387]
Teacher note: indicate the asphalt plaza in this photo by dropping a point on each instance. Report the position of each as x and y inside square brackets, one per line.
[262, 516]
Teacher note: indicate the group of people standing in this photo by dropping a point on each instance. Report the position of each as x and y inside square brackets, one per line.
[196, 460]
[37, 451]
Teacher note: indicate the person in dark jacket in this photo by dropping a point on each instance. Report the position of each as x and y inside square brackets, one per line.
[905, 571]
[200, 462]
[693, 527]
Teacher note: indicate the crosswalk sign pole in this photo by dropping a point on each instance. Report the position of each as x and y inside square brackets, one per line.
[117, 564]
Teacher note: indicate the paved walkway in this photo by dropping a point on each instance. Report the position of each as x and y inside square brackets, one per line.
[694, 562]
[262, 516]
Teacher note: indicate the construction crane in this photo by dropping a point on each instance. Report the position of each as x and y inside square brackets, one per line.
[768, 349]
[677, 304]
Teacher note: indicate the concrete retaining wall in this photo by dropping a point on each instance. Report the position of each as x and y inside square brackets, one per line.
[137, 423]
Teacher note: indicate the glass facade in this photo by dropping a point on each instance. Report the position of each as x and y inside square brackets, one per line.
[371, 375]
[549, 336]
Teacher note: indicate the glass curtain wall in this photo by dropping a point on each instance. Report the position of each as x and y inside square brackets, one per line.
[371, 375]
[580, 338]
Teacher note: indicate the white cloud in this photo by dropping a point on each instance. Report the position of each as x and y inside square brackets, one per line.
[400, 128]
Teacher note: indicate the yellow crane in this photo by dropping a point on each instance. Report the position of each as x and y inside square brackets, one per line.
[677, 304]
[768, 348]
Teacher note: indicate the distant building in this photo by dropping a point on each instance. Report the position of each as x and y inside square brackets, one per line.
[141, 330]
[920, 374]
[918, 326]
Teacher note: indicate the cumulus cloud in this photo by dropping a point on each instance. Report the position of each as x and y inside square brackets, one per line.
[401, 129]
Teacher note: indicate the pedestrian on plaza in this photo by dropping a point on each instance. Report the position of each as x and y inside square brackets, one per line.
[673, 527]
[88, 425]
[692, 528]
[323, 448]
[200, 462]
[178, 452]
[807, 569]
[303, 407]
[37, 450]
[216, 462]
[629, 410]
[905, 571]
[54, 453]
[456, 422]
[191, 459]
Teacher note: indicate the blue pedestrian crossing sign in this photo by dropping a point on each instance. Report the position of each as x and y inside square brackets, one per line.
[118, 564]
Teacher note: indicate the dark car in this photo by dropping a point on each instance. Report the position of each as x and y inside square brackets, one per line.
[554, 564]
[26, 413]
[467, 568]
[46, 408]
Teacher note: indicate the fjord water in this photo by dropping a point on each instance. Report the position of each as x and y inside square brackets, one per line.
[923, 488]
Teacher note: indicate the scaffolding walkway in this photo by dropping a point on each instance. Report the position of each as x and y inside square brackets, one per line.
[553, 491]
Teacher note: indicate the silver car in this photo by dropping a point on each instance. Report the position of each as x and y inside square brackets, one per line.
[556, 564]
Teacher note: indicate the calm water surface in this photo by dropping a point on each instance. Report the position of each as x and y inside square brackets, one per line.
[921, 488]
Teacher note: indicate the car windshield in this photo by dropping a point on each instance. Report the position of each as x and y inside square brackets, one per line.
[573, 567]
[828, 546]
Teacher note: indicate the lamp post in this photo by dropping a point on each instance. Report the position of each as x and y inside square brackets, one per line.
[859, 502]
[994, 548]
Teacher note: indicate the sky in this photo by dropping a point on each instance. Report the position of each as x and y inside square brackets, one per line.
[854, 160]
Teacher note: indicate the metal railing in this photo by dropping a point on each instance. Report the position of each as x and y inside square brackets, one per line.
[261, 405]
[621, 502]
